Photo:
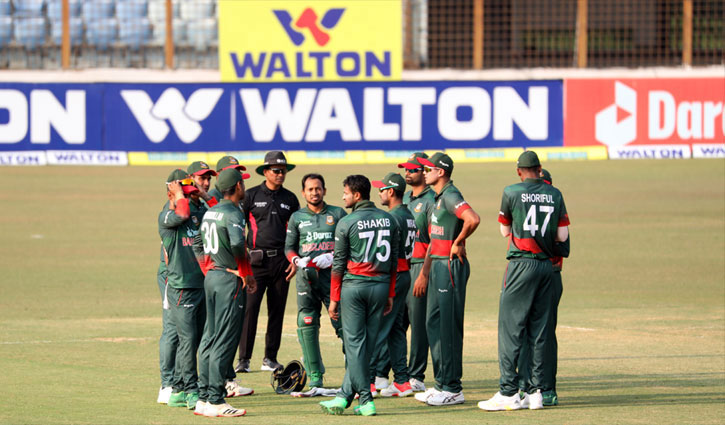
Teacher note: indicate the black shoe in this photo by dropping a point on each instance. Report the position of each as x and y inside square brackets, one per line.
[242, 366]
[271, 365]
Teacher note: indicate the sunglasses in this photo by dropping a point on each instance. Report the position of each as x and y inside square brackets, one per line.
[185, 182]
[428, 169]
[414, 170]
[278, 170]
[382, 189]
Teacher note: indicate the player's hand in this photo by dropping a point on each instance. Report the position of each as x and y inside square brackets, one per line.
[250, 283]
[323, 261]
[175, 189]
[458, 251]
[291, 270]
[333, 311]
[420, 286]
[388, 306]
[202, 193]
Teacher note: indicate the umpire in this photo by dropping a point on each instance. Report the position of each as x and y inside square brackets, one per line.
[267, 207]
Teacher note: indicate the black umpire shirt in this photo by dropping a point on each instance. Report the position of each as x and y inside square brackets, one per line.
[267, 213]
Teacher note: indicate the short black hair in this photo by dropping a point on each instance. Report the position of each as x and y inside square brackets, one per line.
[358, 184]
[313, 176]
[230, 191]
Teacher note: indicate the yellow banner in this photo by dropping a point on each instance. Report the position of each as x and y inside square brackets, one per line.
[320, 40]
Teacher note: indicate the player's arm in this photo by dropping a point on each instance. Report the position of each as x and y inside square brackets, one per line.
[562, 232]
[339, 264]
[421, 283]
[181, 211]
[235, 230]
[292, 242]
[458, 206]
[397, 245]
[505, 218]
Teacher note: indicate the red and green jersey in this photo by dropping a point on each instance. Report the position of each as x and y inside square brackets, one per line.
[177, 233]
[311, 234]
[421, 207]
[445, 220]
[406, 233]
[367, 247]
[534, 210]
[222, 238]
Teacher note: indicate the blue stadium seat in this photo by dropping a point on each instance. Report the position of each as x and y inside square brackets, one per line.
[95, 10]
[5, 8]
[30, 32]
[197, 9]
[6, 30]
[201, 33]
[131, 9]
[76, 31]
[28, 8]
[159, 32]
[157, 10]
[55, 9]
[134, 33]
[101, 33]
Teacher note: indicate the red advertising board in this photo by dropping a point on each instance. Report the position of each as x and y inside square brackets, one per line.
[627, 112]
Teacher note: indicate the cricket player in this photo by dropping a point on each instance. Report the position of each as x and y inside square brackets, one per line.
[362, 289]
[549, 395]
[223, 163]
[168, 342]
[309, 247]
[391, 345]
[228, 275]
[533, 215]
[202, 174]
[444, 277]
[184, 297]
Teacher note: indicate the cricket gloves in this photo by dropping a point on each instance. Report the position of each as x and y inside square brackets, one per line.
[301, 262]
[323, 261]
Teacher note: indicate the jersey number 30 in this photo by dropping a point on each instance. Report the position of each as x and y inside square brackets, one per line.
[211, 238]
[530, 222]
[381, 243]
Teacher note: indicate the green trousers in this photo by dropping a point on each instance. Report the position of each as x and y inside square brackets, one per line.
[169, 341]
[361, 311]
[415, 316]
[551, 358]
[524, 309]
[225, 301]
[188, 312]
[391, 347]
[444, 322]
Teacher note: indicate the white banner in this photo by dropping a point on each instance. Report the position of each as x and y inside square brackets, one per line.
[704, 150]
[20, 158]
[112, 158]
[650, 152]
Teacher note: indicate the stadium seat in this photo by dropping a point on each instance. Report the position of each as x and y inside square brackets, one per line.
[95, 10]
[131, 9]
[157, 10]
[6, 30]
[134, 33]
[101, 33]
[27, 8]
[5, 8]
[197, 9]
[30, 32]
[159, 32]
[201, 33]
[55, 9]
[76, 31]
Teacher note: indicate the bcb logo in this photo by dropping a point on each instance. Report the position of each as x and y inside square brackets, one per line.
[308, 20]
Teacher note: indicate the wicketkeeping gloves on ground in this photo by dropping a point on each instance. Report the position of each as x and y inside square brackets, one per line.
[323, 261]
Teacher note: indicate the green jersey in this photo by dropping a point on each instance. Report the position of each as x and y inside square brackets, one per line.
[222, 236]
[534, 210]
[311, 234]
[215, 193]
[406, 232]
[367, 247]
[177, 233]
[445, 220]
[421, 207]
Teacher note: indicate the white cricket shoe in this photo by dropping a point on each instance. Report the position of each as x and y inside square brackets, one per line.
[445, 398]
[416, 385]
[536, 400]
[381, 382]
[223, 410]
[397, 390]
[423, 397]
[501, 402]
[200, 408]
[235, 390]
[164, 394]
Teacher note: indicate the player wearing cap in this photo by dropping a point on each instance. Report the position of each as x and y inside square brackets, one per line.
[391, 345]
[184, 290]
[223, 163]
[548, 393]
[309, 246]
[445, 276]
[533, 215]
[227, 276]
[362, 289]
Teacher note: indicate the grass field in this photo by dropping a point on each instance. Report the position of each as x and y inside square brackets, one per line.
[642, 318]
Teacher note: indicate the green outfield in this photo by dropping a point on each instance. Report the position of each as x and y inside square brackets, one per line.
[641, 322]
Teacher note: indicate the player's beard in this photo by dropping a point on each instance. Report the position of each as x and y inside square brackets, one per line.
[315, 204]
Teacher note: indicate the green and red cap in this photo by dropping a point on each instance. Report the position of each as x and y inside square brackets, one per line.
[438, 160]
[199, 168]
[528, 159]
[229, 162]
[546, 176]
[390, 181]
[187, 183]
[413, 162]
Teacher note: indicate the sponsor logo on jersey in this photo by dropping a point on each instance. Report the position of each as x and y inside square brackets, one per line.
[460, 204]
[260, 204]
[307, 320]
[330, 220]
[195, 220]
[437, 230]
[442, 291]
[305, 224]
[188, 306]
[418, 208]
[285, 206]
[302, 293]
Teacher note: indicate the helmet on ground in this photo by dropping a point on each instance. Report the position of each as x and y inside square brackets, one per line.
[290, 379]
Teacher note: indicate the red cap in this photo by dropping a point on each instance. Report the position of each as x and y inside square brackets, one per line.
[425, 162]
[189, 189]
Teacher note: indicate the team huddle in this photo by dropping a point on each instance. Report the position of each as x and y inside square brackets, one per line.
[376, 272]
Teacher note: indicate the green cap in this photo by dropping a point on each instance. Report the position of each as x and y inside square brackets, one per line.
[546, 176]
[227, 162]
[198, 168]
[413, 163]
[228, 178]
[390, 181]
[438, 160]
[528, 159]
[181, 175]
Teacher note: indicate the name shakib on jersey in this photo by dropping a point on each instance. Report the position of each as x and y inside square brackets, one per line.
[321, 246]
[537, 197]
[213, 215]
[371, 224]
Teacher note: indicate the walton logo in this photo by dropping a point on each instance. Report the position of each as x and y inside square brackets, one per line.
[184, 115]
[308, 19]
[616, 125]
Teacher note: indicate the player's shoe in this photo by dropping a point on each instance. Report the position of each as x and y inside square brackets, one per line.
[223, 410]
[397, 390]
[191, 399]
[270, 365]
[177, 399]
[336, 406]
[315, 380]
[381, 382]
[550, 398]
[536, 401]
[200, 408]
[445, 398]
[164, 394]
[367, 409]
[235, 390]
[242, 366]
[416, 385]
[524, 399]
[501, 402]
[424, 396]
[374, 391]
